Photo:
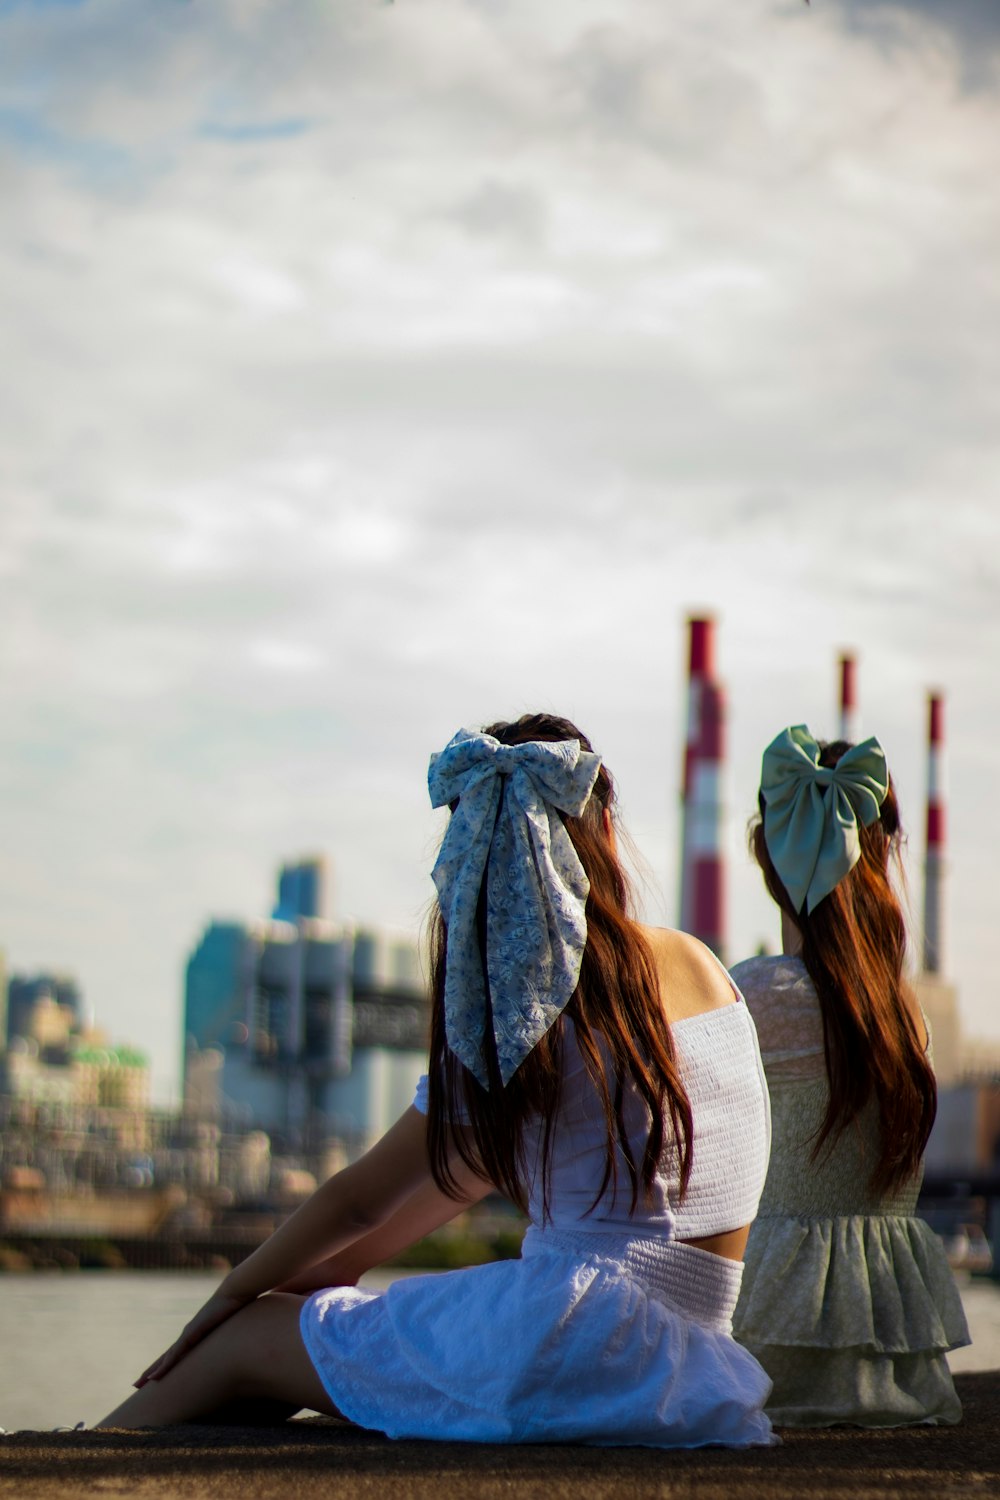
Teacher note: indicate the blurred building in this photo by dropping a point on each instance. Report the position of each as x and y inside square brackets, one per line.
[25, 1077]
[111, 1077]
[43, 1005]
[938, 999]
[302, 890]
[217, 980]
[87, 1072]
[321, 1027]
[53, 1058]
[966, 1134]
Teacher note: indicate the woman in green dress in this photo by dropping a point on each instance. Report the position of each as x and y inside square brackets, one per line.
[847, 1298]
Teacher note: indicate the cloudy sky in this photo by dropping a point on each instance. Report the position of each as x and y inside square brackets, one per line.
[371, 369]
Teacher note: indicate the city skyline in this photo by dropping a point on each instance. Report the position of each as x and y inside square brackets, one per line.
[381, 369]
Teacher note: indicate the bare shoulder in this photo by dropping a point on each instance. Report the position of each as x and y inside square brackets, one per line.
[691, 978]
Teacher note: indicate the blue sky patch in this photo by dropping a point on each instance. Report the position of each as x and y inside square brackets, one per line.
[245, 132]
[30, 134]
[7, 7]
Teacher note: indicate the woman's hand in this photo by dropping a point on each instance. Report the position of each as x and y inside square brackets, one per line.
[220, 1306]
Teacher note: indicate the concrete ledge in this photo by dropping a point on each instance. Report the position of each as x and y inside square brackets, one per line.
[311, 1459]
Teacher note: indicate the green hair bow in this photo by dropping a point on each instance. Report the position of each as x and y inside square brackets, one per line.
[812, 812]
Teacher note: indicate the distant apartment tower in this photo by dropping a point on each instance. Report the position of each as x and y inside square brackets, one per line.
[301, 890]
[216, 982]
[702, 905]
[321, 1025]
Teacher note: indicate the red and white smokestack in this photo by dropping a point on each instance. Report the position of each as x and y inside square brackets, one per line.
[934, 869]
[850, 721]
[702, 864]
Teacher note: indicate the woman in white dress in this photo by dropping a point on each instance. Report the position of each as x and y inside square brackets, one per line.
[602, 1075]
[847, 1300]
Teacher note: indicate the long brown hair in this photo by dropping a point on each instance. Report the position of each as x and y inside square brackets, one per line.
[854, 947]
[617, 1013]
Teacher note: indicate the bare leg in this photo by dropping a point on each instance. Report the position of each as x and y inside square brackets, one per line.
[257, 1353]
[249, 1412]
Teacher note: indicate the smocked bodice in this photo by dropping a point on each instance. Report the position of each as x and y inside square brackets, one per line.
[782, 999]
[720, 1066]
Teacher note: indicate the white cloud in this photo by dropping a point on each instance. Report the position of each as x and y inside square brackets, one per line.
[377, 369]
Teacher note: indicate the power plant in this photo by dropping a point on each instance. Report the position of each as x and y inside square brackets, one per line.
[703, 841]
[307, 1037]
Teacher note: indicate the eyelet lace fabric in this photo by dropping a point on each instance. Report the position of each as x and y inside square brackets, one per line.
[606, 1330]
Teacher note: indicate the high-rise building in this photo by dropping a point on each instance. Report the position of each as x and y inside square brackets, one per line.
[319, 1024]
[301, 890]
[216, 985]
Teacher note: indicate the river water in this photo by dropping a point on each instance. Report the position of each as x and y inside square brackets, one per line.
[72, 1344]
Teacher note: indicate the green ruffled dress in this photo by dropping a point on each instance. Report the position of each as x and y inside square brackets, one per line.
[847, 1300]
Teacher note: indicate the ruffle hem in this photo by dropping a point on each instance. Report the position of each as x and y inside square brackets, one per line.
[852, 1318]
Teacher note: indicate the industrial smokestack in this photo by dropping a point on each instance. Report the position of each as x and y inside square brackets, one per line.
[934, 868]
[702, 870]
[850, 722]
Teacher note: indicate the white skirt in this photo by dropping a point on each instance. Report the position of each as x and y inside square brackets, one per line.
[588, 1338]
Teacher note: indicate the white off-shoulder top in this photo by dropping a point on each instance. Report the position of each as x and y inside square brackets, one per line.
[721, 1069]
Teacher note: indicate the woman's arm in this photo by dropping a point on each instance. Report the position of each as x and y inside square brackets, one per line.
[365, 1197]
[383, 1198]
[426, 1210]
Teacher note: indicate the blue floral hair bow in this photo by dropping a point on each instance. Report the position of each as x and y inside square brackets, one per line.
[812, 812]
[506, 828]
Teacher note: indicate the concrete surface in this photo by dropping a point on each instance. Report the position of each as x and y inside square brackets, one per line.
[317, 1457]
